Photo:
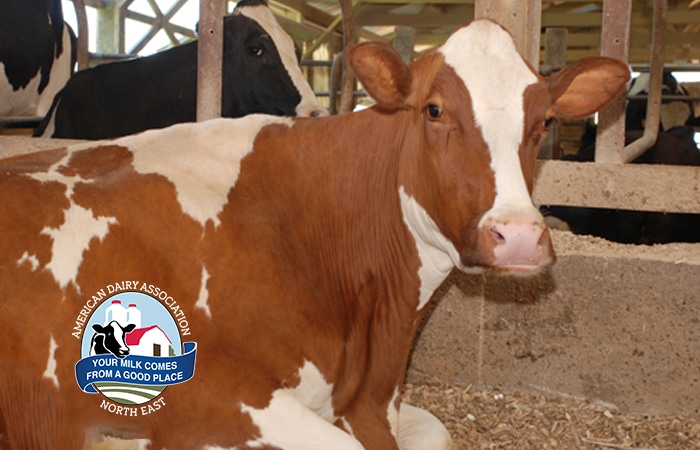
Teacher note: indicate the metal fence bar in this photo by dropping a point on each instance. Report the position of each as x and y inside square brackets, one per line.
[651, 128]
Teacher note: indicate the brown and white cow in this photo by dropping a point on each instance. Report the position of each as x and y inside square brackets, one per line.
[304, 251]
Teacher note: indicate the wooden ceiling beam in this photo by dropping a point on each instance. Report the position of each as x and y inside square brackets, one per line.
[455, 17]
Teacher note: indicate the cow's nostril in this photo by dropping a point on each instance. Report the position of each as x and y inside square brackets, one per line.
[497, 236]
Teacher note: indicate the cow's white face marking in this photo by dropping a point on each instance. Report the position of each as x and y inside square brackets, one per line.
[202, 160]
[50, 372]
[203, 298]
[287, 52]
[437, 254]
[301, 417]
[484, 56]
[119, 335]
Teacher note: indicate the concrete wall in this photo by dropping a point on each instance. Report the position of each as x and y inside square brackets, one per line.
[612, 323]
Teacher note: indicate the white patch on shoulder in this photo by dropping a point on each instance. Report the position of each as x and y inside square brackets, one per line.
[203, 298]
[31, 259]
[72, 239]
[202, 160]
[301, 417]
[50, 372]
[437, 254]
[484, 56]
[79, 227]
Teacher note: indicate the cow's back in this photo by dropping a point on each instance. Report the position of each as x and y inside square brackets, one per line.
[143, 209]
[126, 97]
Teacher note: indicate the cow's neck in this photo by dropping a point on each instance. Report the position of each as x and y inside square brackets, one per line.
[351, 238]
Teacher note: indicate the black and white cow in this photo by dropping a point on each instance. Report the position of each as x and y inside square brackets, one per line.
[261, 74]
[37, 55]
[674, 113]
[110, 339]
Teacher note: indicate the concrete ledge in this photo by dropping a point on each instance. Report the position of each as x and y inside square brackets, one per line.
[612, 323]
[15, 145]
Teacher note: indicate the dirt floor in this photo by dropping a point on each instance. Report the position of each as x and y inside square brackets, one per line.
[488, 419]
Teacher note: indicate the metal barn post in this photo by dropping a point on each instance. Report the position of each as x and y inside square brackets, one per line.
[209, 59]
[653, 117]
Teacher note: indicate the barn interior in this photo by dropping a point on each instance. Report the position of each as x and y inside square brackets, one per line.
[605, 345]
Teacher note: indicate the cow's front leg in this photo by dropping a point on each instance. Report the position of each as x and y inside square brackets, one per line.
[288, 424]
[420, 430]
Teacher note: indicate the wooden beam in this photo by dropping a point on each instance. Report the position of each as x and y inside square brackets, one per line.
[595, 19]
[455, 17]
[209, 56]
[522, 18]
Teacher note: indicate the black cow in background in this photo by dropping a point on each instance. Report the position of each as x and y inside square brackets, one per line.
[261, 74]
[675, 145]
[37, 55]
[110, 338]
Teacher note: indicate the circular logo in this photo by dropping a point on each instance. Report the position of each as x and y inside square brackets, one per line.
[132, 350]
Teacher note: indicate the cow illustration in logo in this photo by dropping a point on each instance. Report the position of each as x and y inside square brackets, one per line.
[110, 339]
[130, 363]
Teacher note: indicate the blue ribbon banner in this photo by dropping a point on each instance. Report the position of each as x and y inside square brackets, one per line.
[136, 369]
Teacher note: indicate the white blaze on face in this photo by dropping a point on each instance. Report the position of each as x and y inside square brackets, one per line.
[484, 56]
[287, 51]
[202, 160]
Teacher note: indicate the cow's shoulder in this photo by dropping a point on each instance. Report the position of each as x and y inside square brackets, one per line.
[201, 160]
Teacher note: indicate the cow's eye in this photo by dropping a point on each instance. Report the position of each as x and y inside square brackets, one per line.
[548, 121]
[434, 111]
[255, 50]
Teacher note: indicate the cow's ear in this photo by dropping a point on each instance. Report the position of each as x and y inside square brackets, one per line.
[382, 72]
[98, 328]
[586, 86]
[129, 328]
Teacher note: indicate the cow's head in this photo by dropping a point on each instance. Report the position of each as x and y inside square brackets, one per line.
[113, 336]
[477, 113]
[261, 67]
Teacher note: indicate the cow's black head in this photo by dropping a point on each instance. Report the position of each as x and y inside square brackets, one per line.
[111, 339]
[261, 72]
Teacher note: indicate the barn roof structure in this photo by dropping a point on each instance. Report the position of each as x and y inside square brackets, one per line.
[312, 22]
[433, 21]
